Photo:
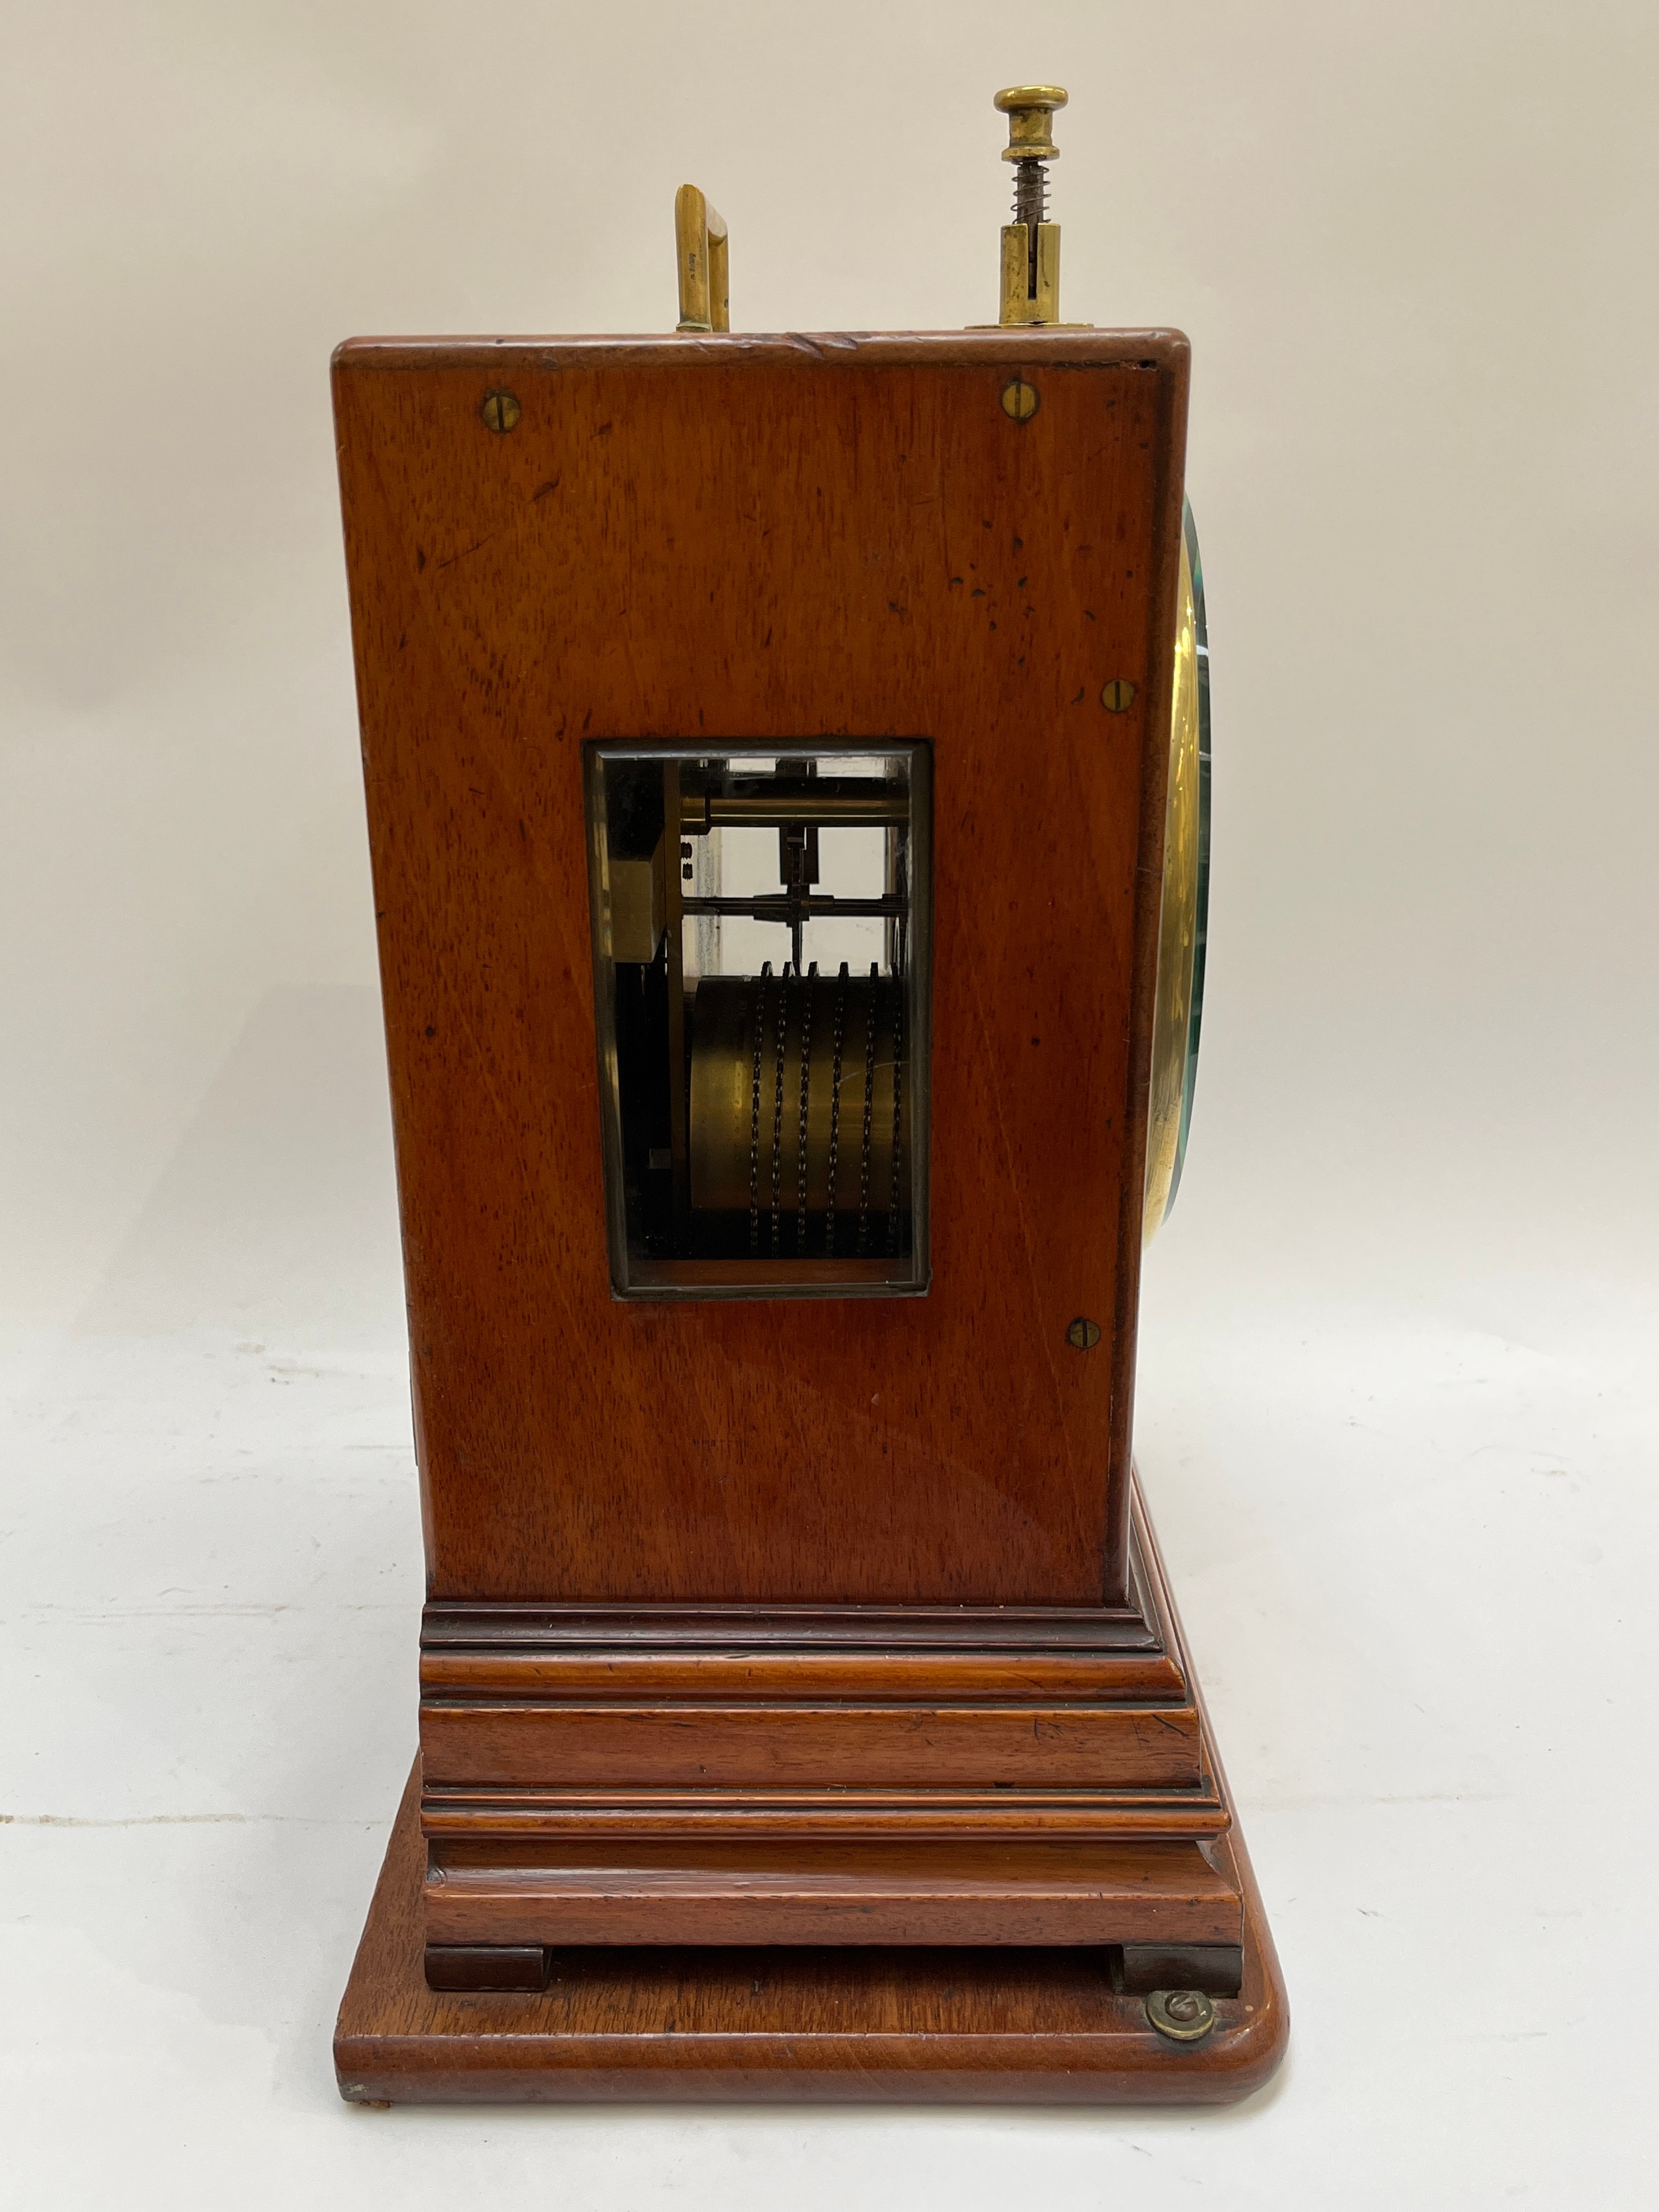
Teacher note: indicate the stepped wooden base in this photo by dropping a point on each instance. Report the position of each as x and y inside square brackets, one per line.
[856, 2024]
[944, 1894]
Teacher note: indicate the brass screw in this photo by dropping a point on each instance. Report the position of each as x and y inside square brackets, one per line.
[1083, 1335]
[1117, 695]
[1020, 400]
[501, 411]
[1182, 2015]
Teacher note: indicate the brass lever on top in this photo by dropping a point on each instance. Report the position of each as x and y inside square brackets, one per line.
[700, 239]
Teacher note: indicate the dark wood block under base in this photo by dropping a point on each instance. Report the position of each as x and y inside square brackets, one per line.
[486, 1966]
[847, 2025]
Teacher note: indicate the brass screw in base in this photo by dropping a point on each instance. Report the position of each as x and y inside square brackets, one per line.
[1117, 695]
[1182, 2015]
[501, 411]
[1020, 400]
[1083, 1334]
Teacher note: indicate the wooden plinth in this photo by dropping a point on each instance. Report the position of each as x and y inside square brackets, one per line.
[841, 2025]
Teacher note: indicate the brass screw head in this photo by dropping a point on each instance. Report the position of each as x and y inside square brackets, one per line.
[1117, 695]
[1084, 1334]
[1020, 400]
[1182, 2015]
[1029, 108]
[501, 411]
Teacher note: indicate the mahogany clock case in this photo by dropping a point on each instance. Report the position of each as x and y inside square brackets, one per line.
[712, 1577]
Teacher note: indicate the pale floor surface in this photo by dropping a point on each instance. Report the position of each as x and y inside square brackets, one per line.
[1416, 1565]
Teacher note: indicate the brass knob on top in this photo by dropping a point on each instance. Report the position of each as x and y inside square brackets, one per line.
[1028, 108]
[1030, 243]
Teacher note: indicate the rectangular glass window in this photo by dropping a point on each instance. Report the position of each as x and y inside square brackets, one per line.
[761, 965]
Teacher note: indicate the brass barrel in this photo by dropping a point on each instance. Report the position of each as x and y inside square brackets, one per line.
[763, 1143]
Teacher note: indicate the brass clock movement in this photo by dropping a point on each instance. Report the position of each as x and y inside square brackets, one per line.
[788, 772]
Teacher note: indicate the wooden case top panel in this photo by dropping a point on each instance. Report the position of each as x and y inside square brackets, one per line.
[769, 539]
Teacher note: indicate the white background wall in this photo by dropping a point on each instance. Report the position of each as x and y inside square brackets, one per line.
[1396, 1407]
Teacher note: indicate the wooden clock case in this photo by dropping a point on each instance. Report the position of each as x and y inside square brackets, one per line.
[803, 1710]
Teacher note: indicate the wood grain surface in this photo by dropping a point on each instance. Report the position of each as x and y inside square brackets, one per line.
[850, 2024]
[758, 539]
[549, 1811]
[975, 1893]
[822, 1747]
[795, 1733]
